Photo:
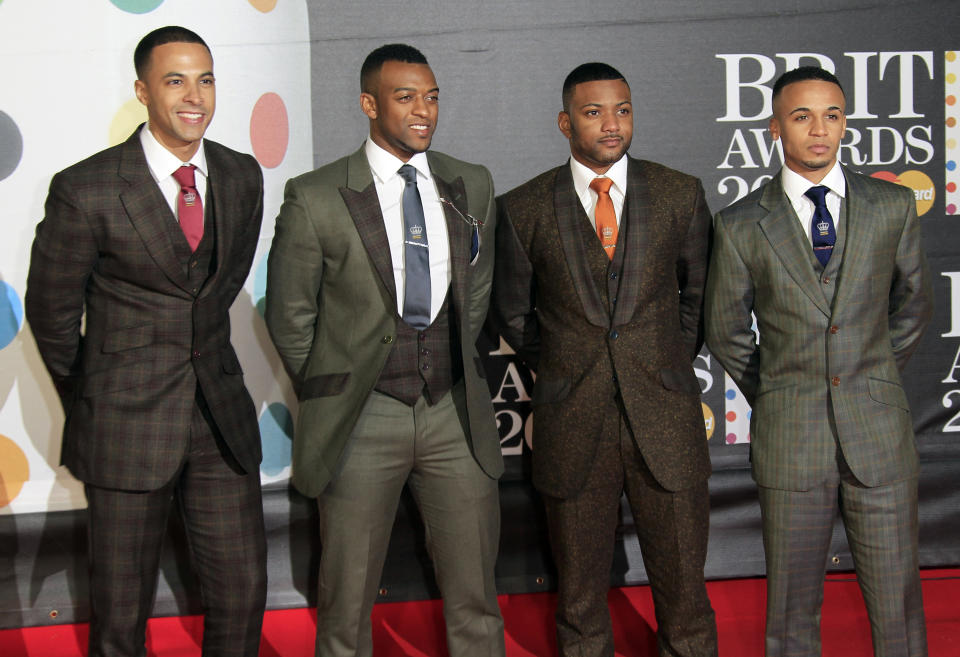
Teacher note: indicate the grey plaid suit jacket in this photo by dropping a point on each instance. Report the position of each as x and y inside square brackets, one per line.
[332, 311]
[128, 382]
[817, 360]
[548, 307]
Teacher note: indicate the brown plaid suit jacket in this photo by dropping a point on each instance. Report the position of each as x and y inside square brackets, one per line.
[128, 382]
[548, 307]
[814, 357]
[332, 310]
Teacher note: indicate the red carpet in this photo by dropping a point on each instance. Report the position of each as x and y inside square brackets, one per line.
[414, 629]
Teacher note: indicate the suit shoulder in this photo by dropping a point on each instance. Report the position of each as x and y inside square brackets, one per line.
[661, 172]
[333, 175]
[882, 191]
[95, 165]
[475, 176]
[744, 208]
[533, 191]
[233, 159]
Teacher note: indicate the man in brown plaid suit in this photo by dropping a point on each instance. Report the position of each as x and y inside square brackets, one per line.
[389, 397]
[830, 263]
[612, 334]
[152, 390]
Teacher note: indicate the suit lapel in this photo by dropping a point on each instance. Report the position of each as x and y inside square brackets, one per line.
[458, 233]
[148, 210]
[224, 201]
[782, 230]
[569, 214]
[360, 196]
[855, 236]
[636, 225]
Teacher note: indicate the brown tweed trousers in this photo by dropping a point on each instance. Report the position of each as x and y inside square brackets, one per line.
[616, 402]
[152, 390]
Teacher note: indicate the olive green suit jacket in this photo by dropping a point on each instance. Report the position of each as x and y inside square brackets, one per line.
[331, 304]
[826, 368]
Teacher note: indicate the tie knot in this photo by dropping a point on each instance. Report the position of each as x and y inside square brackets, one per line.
[184, 175]
[408, 173]
[817, 194]
[601, 185]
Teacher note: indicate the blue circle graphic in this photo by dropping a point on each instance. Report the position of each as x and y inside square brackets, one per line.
[276, 437]
[731, 393]
[951, 165]
[137, 6]
[11, 314]
[260, 285]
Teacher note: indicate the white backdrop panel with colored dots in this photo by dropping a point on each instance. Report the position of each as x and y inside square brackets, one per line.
[69, 71]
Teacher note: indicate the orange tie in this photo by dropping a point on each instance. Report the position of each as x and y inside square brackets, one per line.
[605, 216]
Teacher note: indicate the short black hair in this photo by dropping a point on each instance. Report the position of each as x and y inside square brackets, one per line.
[589, 72]
[391, 52]
[802, 74]
[159, 37]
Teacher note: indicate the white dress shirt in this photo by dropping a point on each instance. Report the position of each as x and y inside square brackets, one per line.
[795, 186]
[389, 184]
[162, 163]
[583, 176]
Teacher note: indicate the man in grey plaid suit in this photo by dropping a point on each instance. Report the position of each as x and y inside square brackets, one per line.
[830, 263]
[152, 390]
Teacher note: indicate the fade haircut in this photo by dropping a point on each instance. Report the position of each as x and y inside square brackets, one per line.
[803, 74]
[589, 72]
[391, 52]
[159, 37]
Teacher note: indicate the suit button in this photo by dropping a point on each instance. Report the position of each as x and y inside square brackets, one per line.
[425, 366]
[425, 352]
[826, 280]
[387, 339]
[834, 330]
[195, 354]
[613, 276]
[835, 380]
[195, 290]
[193, 263]
[614, 335]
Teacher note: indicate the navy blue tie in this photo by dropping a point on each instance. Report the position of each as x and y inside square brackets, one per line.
[821, 226]
[416, 254]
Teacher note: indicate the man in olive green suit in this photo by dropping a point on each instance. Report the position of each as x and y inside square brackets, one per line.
[830, 263]
[379, 280]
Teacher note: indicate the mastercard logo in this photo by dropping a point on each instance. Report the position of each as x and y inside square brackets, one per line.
[709, 422]
[918, 181]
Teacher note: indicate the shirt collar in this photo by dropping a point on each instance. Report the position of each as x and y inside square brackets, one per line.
[795, 185]
[385, 165]
[583, 175]
[161, 162]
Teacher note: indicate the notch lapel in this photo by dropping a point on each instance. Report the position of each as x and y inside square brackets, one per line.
[855, 236]
[363, 204]
[782, 230]
[148, 210]
[635, 219]
[569, 216]
[224, 199]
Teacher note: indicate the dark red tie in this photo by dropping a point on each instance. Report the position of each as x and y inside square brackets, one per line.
[189, 205]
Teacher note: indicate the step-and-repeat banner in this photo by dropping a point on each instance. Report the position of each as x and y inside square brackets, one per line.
[288, 84]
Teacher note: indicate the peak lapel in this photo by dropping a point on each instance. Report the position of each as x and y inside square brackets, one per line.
[363, 204]
[782, 230]
[458, 234]
[569, 213]
[148, 210]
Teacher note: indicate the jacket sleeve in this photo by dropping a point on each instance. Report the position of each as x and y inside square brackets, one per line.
[911, 296]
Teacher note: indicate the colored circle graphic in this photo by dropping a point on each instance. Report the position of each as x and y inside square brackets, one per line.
[137, 6]
[11, 314]
[260, 285]
[923, 188]
[264, 5]
[269, 130]
[131, 114]
[276, 437]
[14, 470]
[709, 422]
[11, 145]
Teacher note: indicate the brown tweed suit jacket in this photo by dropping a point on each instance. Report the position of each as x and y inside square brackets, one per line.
[128, 382]
[548, 306]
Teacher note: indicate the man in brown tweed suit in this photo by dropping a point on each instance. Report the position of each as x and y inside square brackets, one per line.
[153, 394]
[612, 336]
[831, 430]
[388, 399]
